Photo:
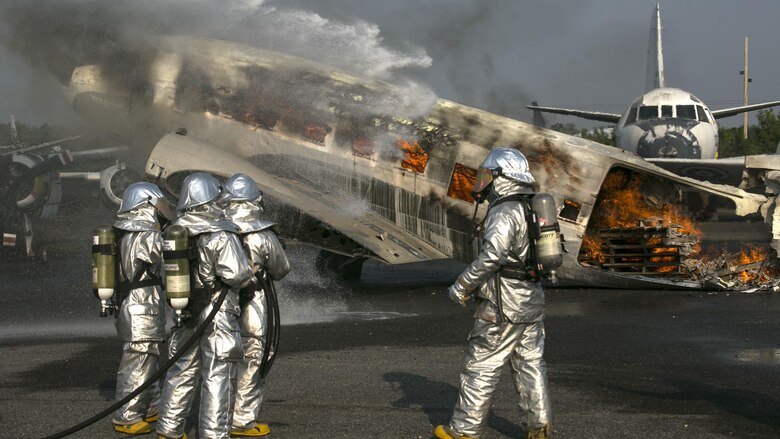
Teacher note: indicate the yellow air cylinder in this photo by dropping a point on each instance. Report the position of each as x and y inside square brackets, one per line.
[104, 265]
[176, 265]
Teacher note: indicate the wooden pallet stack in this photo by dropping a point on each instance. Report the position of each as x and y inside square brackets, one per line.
[647, 251]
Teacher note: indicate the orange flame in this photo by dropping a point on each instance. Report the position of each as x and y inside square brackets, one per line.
[463, 179]
[622, 206]
[592, 249]
[748, 256]
[415, 158]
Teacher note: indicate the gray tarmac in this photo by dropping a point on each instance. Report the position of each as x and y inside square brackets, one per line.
[380, 358]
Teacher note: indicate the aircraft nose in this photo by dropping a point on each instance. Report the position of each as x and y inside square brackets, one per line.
[669, 141]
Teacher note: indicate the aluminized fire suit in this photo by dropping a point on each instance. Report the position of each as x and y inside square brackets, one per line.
[517, 334]
[140, 320]
[220, 260]
[242, 206]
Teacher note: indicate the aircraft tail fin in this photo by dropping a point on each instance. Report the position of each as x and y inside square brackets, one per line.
[655, 53]
[14, 132]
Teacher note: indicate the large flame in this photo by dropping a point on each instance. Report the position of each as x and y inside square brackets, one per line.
[622, 206]
[660, 239]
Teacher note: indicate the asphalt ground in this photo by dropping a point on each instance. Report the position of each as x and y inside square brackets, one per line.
[380, 358]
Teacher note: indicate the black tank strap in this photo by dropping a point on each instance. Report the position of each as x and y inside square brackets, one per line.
[104, 249]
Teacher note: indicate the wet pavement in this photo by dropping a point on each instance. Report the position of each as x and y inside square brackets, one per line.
[380, 358]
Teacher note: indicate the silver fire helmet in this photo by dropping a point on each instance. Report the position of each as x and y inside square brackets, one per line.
[240, 187]
[505, 162]
[139, 194]
[198, 188]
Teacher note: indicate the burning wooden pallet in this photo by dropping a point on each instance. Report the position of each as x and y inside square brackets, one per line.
[651, 251]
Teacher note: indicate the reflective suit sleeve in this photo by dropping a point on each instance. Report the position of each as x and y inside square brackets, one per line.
[232, 265]
[501, 229]
[150, 248]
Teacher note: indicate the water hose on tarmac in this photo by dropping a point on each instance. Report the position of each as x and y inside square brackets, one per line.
[164, 368]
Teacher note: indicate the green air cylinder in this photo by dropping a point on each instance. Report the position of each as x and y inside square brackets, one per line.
[549, 249]
[104, 264]
[176, 265]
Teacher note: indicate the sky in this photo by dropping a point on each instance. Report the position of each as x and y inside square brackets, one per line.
[496, 55]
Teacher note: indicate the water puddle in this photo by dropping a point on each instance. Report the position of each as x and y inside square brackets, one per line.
[770, 356]
[343, 316]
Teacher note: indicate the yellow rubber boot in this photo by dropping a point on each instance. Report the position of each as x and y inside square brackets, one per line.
[184, 436]
[258, 430]
[544, 432]
[151, 418]
[140, 427]
[445, 432]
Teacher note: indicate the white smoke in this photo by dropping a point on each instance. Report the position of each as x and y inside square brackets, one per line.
[97, 31]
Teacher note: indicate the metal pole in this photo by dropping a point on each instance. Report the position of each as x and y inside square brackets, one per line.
[745, 87]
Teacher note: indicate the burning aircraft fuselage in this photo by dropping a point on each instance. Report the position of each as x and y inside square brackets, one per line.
[352, 165]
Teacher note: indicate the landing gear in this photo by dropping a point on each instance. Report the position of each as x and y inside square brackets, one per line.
[346, 268]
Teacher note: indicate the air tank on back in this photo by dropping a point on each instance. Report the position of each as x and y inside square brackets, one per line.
[104, 267]
[549, 244]
[176, 266]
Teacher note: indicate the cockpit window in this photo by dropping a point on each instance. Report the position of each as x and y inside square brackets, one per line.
[631, 118]
[666, 111]
[686, 112]
[702, 114]
[648, 112]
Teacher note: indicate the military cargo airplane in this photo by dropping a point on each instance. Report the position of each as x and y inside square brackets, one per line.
[31, 188]
[665, 122]
[350, 165]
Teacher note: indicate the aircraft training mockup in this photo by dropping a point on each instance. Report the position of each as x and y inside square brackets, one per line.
[352, 166]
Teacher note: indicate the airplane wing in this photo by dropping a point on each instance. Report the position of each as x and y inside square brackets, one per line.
[720, 171]
[726, 112]
[42, 145]
[388, 241]
[592, 115]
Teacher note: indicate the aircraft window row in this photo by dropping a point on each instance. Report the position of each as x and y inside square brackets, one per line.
[683, 112]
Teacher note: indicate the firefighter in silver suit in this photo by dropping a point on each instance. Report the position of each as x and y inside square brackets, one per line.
[242, 202]
[219, 262]
[140, 320]
[509, 318]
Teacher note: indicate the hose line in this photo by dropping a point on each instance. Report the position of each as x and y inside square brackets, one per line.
[274, 323]
[164, 368]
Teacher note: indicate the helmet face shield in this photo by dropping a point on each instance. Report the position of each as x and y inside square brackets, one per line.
[485, 178]
[164, 208]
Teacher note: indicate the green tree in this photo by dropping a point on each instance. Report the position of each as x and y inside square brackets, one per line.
[601, 135]
[762, 137]
[568, 128]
